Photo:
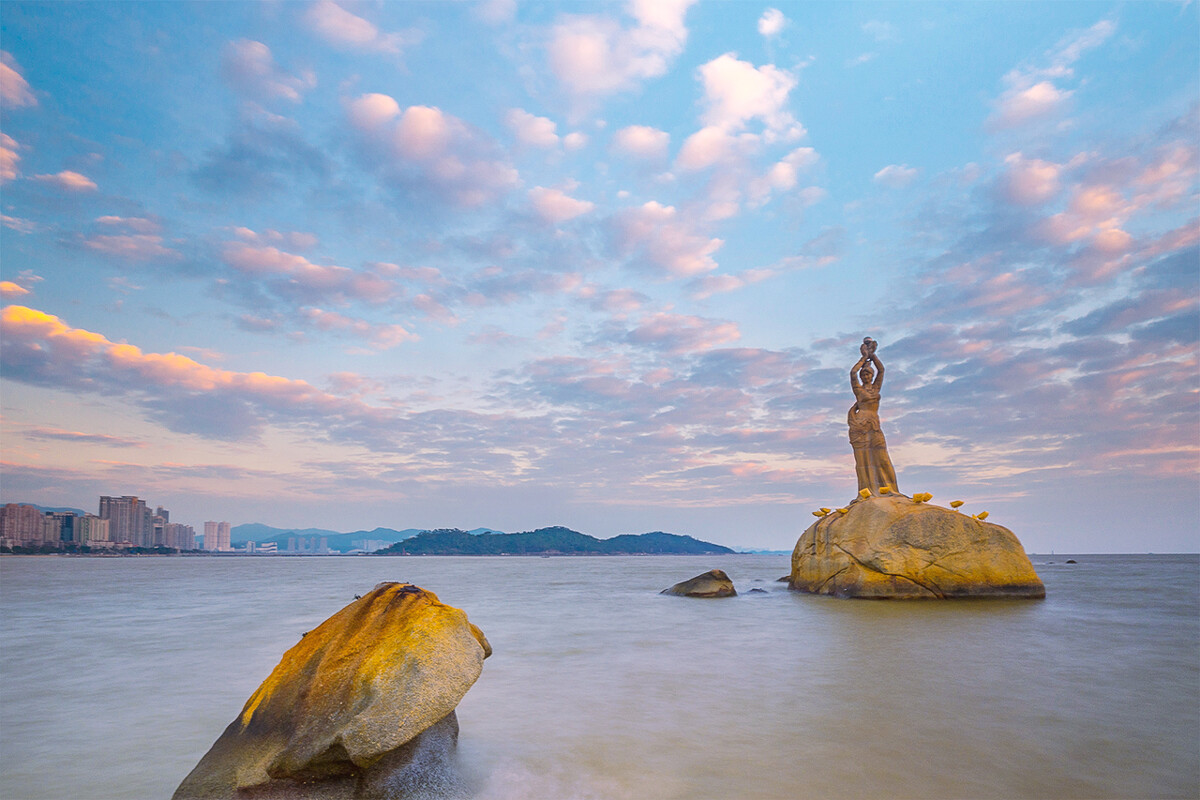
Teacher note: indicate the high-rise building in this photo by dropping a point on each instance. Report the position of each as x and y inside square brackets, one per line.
[217, 536]
[60, 526]
[179, 537]
[21, 525]
[92, 531]
[129, 520]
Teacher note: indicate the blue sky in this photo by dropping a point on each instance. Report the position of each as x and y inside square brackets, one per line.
[603, 265]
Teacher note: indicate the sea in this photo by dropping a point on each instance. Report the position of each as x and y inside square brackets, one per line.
[117, 674]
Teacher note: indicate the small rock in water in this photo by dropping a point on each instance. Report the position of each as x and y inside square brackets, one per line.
[1072, 561]
[714, 583]
[758, 591]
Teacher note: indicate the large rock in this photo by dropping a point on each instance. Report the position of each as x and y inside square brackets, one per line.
[362, 707]
[714, 583]
[892, 547]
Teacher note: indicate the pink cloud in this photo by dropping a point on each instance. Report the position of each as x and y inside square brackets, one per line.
[530, 130]
[595, 56]
[250, 67]
[341, 28]
[14, 89]
[664, 240]
[136, 247]
[681, 333]
[426, 148]
[8, 158]
[555, 207]
[1032, 94]
[736, 93]
[642, 141]
[380, 337]
[141, 225]
[68, 181]
[1030, 181]
[288, 274]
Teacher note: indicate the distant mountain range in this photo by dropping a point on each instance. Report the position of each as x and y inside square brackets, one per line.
[545, 541]
[334, 540]
[480, 541]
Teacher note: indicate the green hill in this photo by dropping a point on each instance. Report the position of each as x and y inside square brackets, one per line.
[549, 541]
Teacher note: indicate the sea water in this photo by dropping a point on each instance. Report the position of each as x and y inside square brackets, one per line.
[117, 674]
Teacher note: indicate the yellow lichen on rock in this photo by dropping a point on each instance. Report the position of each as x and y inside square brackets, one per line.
[362, 684]
[889, 547]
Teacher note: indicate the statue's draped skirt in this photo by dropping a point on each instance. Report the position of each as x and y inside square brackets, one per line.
[866, 437]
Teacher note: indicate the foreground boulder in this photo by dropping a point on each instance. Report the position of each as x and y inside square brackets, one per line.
[362, 707]
[714, 583]
[892, 547]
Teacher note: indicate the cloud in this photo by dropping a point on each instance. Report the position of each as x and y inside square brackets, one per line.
[642, 142]
[771, 23]
[135, 224]
[531, 130]
[1020, 104]
[68, 181]
[424, 149]
[78, 437]
[380, 337]
[1032, 93]
[593, 56]
[264, 153]
[9, 290]
[879, 31]
[250, 68]
[181, 393]
[681, 333]
[555, 207]
[1030, 181]
[132, 247]
[783, 175]
[339, 27]
[705, 148]
[736, 93]
[656, 235]
[294, 277]
[14, 89]
[896, 176]
[8, 158]
[496, 12]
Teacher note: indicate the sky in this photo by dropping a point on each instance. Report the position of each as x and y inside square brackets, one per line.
[603, 265]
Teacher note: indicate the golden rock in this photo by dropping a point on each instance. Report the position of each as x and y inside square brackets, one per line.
[888, 547]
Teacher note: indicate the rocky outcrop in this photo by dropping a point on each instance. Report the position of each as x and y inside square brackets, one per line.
[362, 707]
[891, 547]
[714, 583]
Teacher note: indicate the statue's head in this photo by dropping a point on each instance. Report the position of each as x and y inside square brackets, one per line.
[866, 374]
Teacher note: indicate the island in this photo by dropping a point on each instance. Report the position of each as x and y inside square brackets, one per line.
[551, 541]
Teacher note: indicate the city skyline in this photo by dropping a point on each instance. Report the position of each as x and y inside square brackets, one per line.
[604, 266]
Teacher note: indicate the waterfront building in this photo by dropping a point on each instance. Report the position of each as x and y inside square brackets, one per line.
[130, 520]
[92, 531]
[216, 536]
[21, 525]
[59, 526]
[179, 536]
[267, 548]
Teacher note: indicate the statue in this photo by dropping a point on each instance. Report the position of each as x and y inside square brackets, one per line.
[871, 460]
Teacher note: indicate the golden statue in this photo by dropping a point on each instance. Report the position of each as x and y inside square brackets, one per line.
[871, 460]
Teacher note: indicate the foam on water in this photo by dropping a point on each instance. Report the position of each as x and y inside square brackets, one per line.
[116, 675]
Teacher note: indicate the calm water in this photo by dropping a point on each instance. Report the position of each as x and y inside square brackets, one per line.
[116, 675]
